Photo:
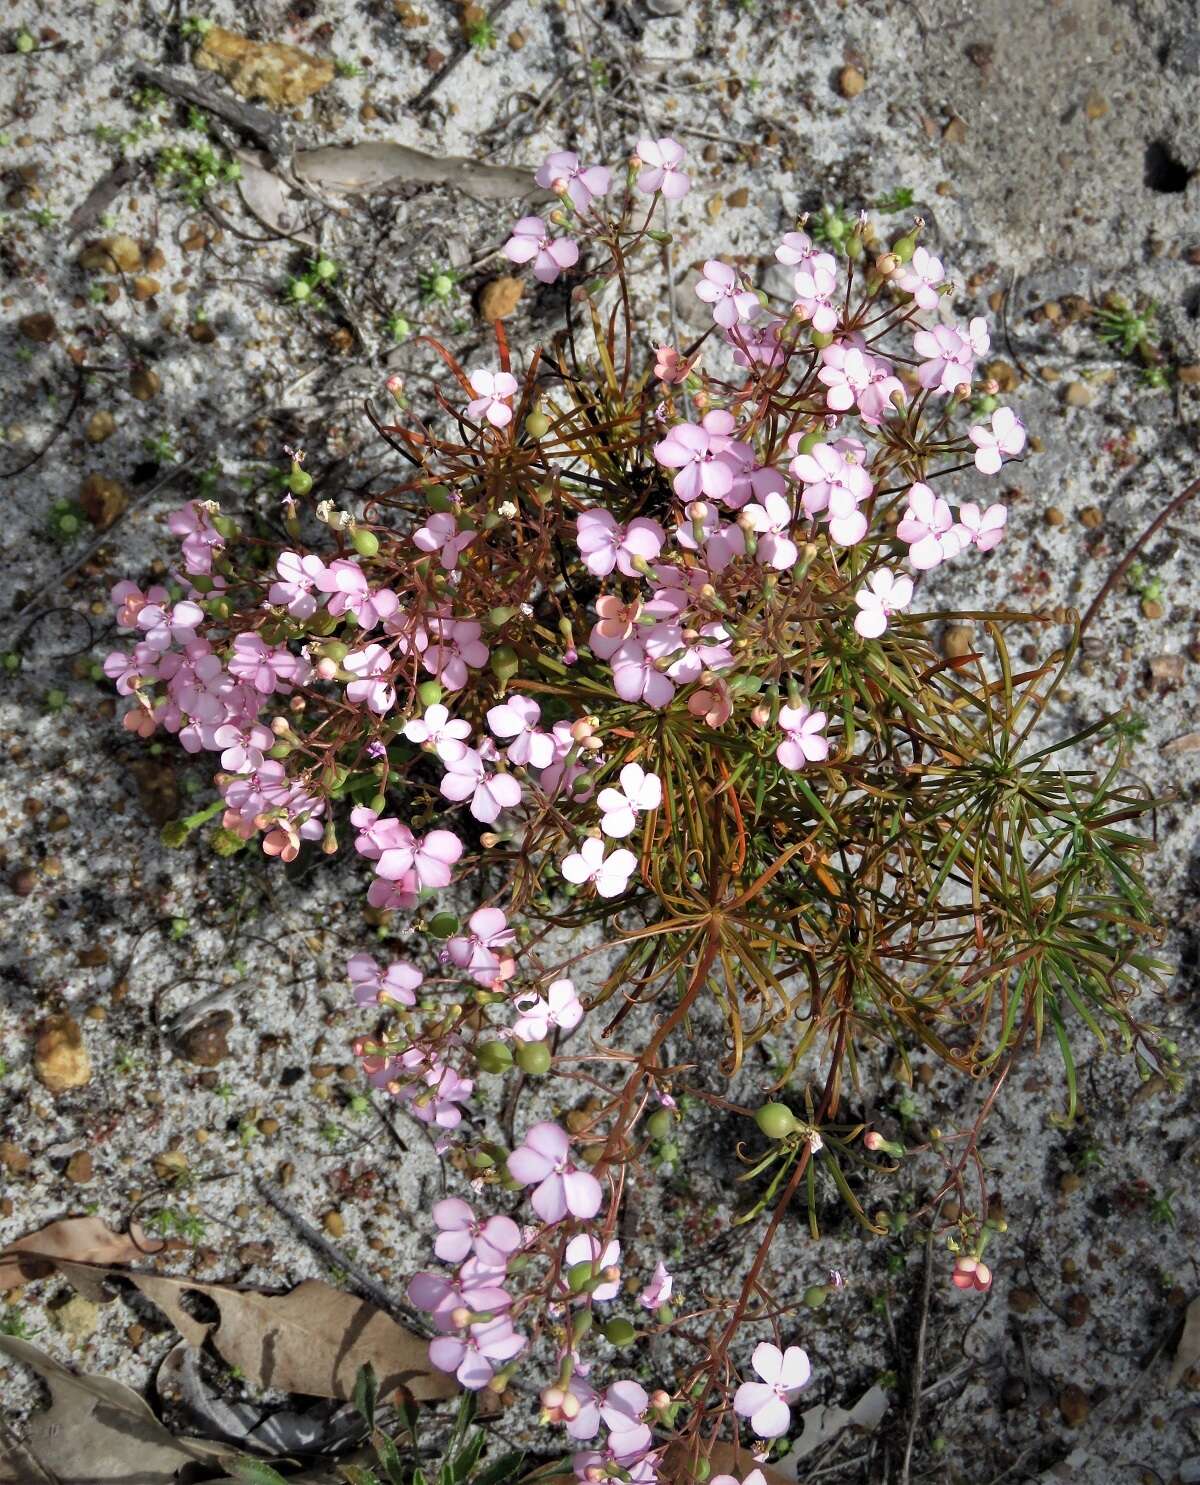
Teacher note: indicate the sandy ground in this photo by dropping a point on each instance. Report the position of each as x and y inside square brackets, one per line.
[1051, 149]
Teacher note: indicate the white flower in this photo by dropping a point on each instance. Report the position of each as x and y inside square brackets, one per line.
[620, 807]
[589, 864]
[886, 593]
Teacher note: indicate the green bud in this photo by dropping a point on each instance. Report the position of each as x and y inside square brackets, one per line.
[12, 661]
[580, 1325]
[809, 442]
[325, 269]
[580, 1275]
[494, 1057]
[365, 543]
[776, 1120]
[299, 482]
[820, 339]
[225, 526]
[537, 424]
[498, 617]
[202, 583]
[619, 1332]
[378, 803]
[658, 1125]
[437, 497]
[279, 750]
[333, 649]
[504, 663]
[815, 1296]
[429, 693]
[534, 1058]
[904, 247]
[443, 925]
[659, 236]
[25, 42]
[300, 289]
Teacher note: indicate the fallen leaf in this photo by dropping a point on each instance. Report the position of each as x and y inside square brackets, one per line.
[81, 1240]
[725, 1459]
[358, 169]
[822, 1424]
[178, 1381]
[1187, 1353]
[97, 1430]
[1189, 742]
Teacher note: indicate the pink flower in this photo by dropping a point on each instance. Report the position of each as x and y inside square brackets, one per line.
[758, 343]
[622, 1409]
[802, 742]
[518, 718]
[766, 1403]
[243, 747]
[562, 172]
[428, 857]
[755, 1477]
[926, 526]
[440, 532]
[551, 255]
[658, 1291]
[815, 287]
[982, 529]
[836, 482]
[730, 304]
[1006, 436]
[468, 778]
[669, 368]
[948, 356]
[457, 646]
[620, 807]
[971, 1273]
[476, 953]
[589, 864]
[267, 668]
[560, 1008]
[637, 678]
[797, 251]
[543, 1159]
[921, 277]
[165, 626]
[772, 520]
[201, 539]
[492, 389]
[298, 576]
[886, 593]
[459, 1233]
[584, 1248]
[854, 377]
[370, 667]
[471, 1357]
[442, 1297]
[660, 161]
[603, 544]
[350, 592]
[697, 455]
[437, 1102]
[437, 731]
[373, 986]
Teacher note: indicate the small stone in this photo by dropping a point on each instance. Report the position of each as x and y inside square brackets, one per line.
[13, 1158]
[1152, 609]
[981, 54]
[1077, 394]
[1167, 668]
[103, 500]
[23, 881]
[119, 254]
[334, 1224]
[499, 297]
[156, 260]
[850, 82]
[1189, 375]
[92, 957]
[201, 332]
[739, 198]
[206, 1043]
[955, 131]
[268, 1126]
[76, 1318]
[1092, 517]
[1004, 375]
[1073, 1405]
[282, 76]
[1078, 1309]
[1070, 1183]
[1055, 517]
[135, 1334]
[1022, 1300]
[434, 59]
[254, 1253]
[145, 287]
[714, 206]
[60, 1058]
[100, 425]
[144, 384]
[79, 1168]
[516, 41]
[1096, 106]
[956, 641]
[39, 328]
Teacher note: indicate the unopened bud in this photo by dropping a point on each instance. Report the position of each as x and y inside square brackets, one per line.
[887, 264]
[460, 1316]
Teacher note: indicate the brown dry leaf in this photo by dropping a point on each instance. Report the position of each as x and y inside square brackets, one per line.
[79, 1240]
[359, 169]
[726, 1459]
[1187, 1353]
[96, 1430]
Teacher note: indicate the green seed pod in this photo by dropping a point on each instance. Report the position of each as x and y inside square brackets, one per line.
[443, 925]
[815, 1296]
[820, 339]
[429, 693]
[498, 617]
[481, 1160]
[504, 663]
[366, 543]
[580, 1275]
[581, 1323]
[333, 649]
[905, 247]
[776, 1120]
[537, 424]
[437, 497]
[225, 526]
[299, 482]
[534, 1058]
[378, 803]
[619, 1332]
[494, 1057]
[279, 750]
[658, 1125]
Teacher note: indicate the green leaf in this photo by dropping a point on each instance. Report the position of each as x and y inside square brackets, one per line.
[507, 1467]
[366, 1393]
[390, 1460]
[255, 1472]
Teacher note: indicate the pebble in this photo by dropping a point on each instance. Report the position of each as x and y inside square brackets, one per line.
[281, 75]
[144, 384]
[79, 1168]
[499, 298]
[1152, 609]
[119, 254]
[145, 287]
[207, 1042]
[1073, 1405]
[1096, 106]
[14, 1160]
[39, 328]
[23, 881]
[1166, 667]
[60, 1058]
[76, 1318]
[100, 425]
[334, 1224]
[103, 500]
[956, 641]
[851, 81]
[1077, 394]
[1055, 517]
[1092, 517]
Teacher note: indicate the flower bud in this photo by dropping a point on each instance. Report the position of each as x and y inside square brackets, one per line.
[620, 1333]
[494, 1057]
[460, 1316]
[534, 1058]
[886, 264]
[776, 1121]
[365, 543]
[429, 693]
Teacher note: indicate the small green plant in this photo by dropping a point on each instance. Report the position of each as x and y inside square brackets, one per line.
[899, 199]
[1162, 1213]
[438, 286]
[195, 27]
[347, 68]
[66, 520]
[1132, 331]
[196, 172]
[176, 1222]
[305, 289]
[833, 225]
[397, 328]
[45, 217]
[24, 43]
[160, 448]
[1148, 588]
[13, 1323]
[481, 36]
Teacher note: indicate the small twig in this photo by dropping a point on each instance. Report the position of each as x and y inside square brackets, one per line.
[591, 76]
[61, 428]
[258, 124]
[918, 1366]
[443, 72]
[1126, 561]
[333, 1255]
[100, 197]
